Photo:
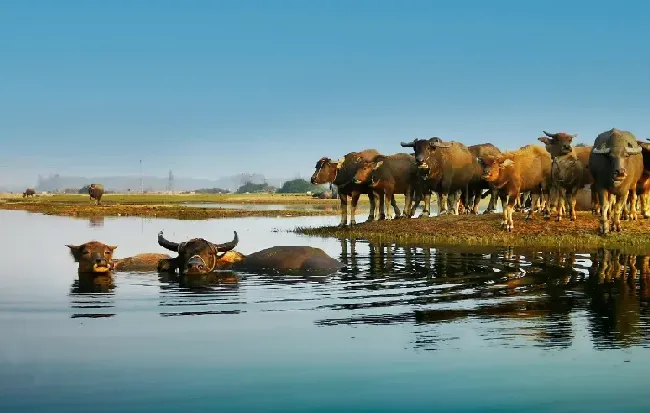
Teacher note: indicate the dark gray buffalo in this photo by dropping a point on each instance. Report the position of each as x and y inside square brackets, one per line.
[446, 167]
[199, 256]
[96, 191]
[616, 165]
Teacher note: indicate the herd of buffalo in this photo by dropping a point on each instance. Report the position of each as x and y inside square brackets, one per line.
[616, 169]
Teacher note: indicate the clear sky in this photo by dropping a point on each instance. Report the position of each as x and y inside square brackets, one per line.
[211, 88]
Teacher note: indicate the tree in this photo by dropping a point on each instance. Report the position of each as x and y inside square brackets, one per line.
[84, 189]
[297, 186]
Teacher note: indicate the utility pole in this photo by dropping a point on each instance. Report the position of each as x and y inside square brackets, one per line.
[141, 184]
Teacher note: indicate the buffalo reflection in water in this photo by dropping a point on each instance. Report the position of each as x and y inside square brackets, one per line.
[90, 294]
[536, 293]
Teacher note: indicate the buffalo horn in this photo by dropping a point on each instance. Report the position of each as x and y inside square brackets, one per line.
[601, 150]
[228, 245]
[633, 151]
[408, 144]
[172, 246]
[440, 144]
[550, 135]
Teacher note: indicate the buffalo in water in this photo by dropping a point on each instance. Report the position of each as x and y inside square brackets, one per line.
[96, 191]
[199, 256]
[616, 165]
[95, 257]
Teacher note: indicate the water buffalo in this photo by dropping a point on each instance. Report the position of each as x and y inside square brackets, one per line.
[29, 192]
[96, 191]
[643, 185]
[390, 175]
[199, 256]
[95, 257]
[526, 169]
[616, 165]
[447, 166]
[569, 168]
[473, 195]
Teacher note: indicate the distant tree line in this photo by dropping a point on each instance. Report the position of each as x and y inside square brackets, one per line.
[212, 191]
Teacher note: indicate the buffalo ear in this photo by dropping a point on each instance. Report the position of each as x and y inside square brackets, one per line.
[545, 140]
[111, 247]
[76, 251]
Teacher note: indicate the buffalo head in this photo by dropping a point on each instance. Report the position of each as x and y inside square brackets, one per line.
[618, 151]
[423, 148]
[364, 173]
[558, 144]
[492, 166]
[94, 257]
[325, 171]
[196, 256]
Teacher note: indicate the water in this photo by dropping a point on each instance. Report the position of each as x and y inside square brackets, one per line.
[399, 329]
[266, 207]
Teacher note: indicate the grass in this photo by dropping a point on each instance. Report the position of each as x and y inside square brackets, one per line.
[164, 199]
[485, 230]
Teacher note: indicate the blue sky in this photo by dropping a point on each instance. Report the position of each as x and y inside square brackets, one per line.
[211, 88]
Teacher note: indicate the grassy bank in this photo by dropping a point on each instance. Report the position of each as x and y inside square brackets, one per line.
[165, 199]
[154, 211]
[467, 230]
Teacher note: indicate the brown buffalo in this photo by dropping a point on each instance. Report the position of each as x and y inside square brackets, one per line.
[390, 175]
[446, 166]
[95, 257]
[96, 191]
[341, 175]
[569, 168]
[473, 195]
[29, 192]
[616, 165]
[199, 256]
[526, 169]
[643, 185]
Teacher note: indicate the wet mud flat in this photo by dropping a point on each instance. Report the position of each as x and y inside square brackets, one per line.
[475, 230]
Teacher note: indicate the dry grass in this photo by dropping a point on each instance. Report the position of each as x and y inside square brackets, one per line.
[155, 211]
[164, 199]
[466, 230]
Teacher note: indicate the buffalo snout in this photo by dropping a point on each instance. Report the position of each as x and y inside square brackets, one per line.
[195, 265]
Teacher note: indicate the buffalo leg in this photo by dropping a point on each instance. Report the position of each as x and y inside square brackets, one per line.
[398, 213]
[408, 200]
[353, 209]
[633, 211]
[344, 210]
[618, 208]
[534, 199]
[373, 198]
[603, 199]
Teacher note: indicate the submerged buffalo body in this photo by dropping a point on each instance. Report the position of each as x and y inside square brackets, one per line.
[198, 256]
[96, 191]
[616, 165]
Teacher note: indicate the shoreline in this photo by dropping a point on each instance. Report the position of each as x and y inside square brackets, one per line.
[156, 211]
[485, 230]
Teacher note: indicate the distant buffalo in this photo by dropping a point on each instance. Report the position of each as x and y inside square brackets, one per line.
[96, 191]
[29, 192]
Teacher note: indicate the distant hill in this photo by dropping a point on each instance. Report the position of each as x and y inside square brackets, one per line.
[151, 183]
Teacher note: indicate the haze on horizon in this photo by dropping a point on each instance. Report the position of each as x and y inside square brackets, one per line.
[212, 89]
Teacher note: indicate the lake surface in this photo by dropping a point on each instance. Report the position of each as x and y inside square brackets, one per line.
[399, 329]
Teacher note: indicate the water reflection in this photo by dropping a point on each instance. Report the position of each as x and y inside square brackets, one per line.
[90, 295]
[96, 221]
[524, 294]
[205, 294]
